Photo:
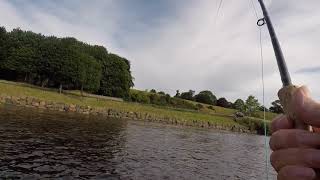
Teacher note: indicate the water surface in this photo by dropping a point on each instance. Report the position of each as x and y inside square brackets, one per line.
[36, 144]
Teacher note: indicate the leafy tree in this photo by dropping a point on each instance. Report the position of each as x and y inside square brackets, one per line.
[239, 105]
[89, 73]
[177, 94]
[168, 98]
[188, 95]
[162, 93]
[62, 62]
[3, 41]
[116, 77]
[22, 54]
[263, 108]
[252, 105]
[50, 60]
[153, 91]
[222, 102]
[206, 97]
[276, 107]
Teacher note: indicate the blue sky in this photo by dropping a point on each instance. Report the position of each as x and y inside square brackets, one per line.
[179, 44]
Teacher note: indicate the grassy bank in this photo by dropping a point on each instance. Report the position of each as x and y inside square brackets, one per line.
[220, 116]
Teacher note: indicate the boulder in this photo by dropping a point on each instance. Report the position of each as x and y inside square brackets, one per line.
[239, 115]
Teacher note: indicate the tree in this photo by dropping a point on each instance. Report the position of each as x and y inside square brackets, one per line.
[263, 108]
[276, 107]
[89, 73]
[206, 97]
[3, 41]
[177, 94]
[222, 102]
[153, 91]
[22, 52]
[188, 95]
[239, 105]
[49, 63]
[62, 62]
[162, 93]
[116, 76]
[252, 105]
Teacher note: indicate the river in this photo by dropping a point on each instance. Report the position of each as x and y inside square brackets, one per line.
[36, 144]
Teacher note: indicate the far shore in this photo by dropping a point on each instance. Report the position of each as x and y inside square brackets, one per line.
[20, 94]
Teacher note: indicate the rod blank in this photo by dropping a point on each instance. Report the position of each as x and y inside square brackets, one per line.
[285, 76]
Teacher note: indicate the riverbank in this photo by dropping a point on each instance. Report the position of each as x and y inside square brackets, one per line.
[20, 94]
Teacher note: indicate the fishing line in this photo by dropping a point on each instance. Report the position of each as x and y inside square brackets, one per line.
[263, 95]
[218, 12]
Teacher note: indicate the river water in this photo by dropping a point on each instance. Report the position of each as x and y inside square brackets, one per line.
[40, 145]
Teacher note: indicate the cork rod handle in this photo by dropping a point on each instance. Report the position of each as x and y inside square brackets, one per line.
[286, 97]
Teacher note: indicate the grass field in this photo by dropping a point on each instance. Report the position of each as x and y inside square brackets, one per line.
[21, 89]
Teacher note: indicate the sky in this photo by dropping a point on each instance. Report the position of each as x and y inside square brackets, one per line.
[183, 44]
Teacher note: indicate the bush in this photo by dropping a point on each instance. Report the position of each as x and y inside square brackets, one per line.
[255, 125]
[158, 99]
[139, 96]
[180, 103]
[222, 102]
[206, 97]
[199, 106]
[212, 108]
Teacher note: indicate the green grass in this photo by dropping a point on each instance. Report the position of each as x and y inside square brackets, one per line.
[21, 89]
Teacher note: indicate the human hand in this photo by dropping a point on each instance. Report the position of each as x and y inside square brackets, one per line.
[296, 153]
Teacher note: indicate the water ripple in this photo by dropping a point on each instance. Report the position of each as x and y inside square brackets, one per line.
[42, 145]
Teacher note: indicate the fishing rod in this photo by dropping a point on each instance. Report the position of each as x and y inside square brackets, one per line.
[286, 93]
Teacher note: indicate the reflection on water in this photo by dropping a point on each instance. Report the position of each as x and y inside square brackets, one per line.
[37, 144]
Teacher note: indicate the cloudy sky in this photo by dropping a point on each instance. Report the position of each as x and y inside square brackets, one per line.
[182, 44]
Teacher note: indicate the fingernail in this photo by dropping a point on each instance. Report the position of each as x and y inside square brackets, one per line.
[305, 91]
[299, 97]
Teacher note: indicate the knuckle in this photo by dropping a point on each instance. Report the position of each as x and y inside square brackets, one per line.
[294, 137]
[277, 139]
[274, 159]
[273, 143]
[275, 123]
[284, 173]
[309, 157]
[288, 138]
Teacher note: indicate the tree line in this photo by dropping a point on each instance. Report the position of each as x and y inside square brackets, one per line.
[160, 99]
[250, 106]
[63, 63]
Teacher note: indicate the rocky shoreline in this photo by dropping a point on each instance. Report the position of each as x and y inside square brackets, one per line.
[31, 102]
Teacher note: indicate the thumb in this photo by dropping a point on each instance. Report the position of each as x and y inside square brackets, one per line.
[307, 110]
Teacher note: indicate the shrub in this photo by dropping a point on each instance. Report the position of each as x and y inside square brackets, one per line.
[255, 125]
[180, 103]
[139, 96]
[199, 106]
[159, 99]
[212, 108]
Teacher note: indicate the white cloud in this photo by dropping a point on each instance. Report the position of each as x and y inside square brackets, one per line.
[189, 48]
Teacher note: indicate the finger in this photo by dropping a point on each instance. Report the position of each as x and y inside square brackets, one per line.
[296, 173]
[281, 122]
[294, 138]
[307, 110]
[295, 156]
